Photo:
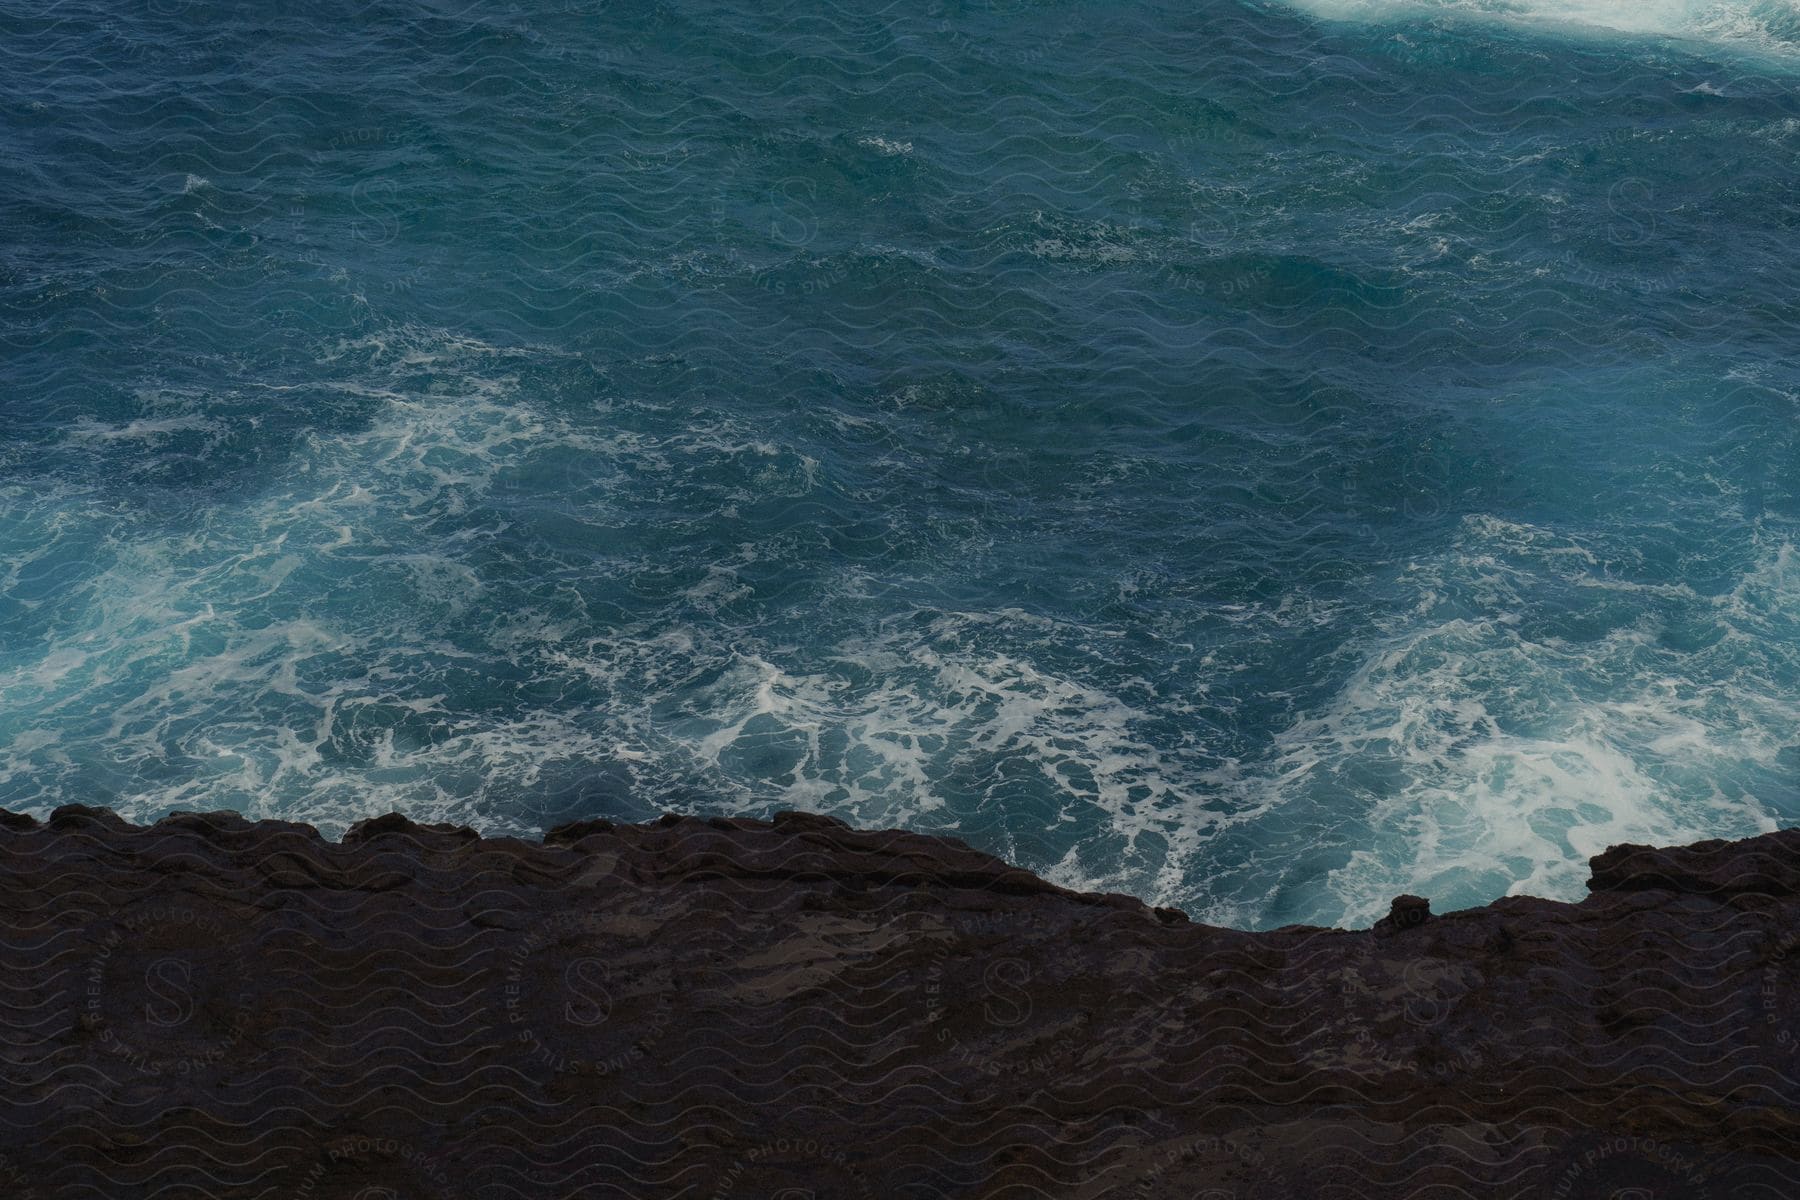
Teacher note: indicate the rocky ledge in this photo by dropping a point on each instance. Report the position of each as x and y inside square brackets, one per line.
[795, 1009]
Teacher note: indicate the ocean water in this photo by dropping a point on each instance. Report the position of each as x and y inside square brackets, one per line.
[1263, 457]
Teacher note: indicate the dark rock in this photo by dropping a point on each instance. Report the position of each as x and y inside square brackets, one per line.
[82, 816]
[1768, 866]
[213, 826]
[215, 1007]
[1406, 912]
[396, 825]
[790, 821]
[574, 831]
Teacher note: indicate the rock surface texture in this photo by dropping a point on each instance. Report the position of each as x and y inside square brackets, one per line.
[797, 1010]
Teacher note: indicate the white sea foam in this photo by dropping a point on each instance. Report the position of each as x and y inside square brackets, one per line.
[881, 747]
[287, 654]
[1767, 25]
[144, 429]
[281, 654]
[1495, 758]
[884, 145]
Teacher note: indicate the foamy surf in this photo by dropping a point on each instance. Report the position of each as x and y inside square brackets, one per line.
[1255, 461]
[1486, 752]
[1771, 26]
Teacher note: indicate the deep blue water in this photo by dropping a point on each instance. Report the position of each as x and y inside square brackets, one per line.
[1262, 457]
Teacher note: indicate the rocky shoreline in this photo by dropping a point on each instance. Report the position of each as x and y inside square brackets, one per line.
[210, 1007]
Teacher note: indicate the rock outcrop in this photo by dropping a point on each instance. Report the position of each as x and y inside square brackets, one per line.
[210, 1007]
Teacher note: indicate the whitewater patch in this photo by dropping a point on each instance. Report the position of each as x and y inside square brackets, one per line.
[884, 145]
[355, 637]
[940, 719]
[1492, 751]
[348, 640]
[1769, 26]
[285, 653]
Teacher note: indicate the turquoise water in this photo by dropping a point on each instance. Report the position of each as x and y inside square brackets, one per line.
[1261, 457]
